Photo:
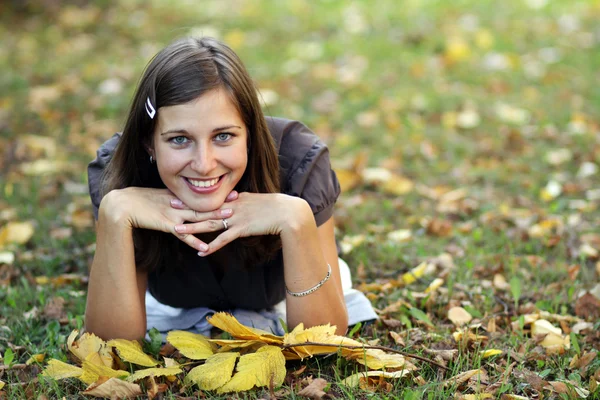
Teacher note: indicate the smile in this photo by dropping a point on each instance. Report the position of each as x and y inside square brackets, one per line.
[203, 183]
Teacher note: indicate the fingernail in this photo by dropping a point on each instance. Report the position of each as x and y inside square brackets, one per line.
[231, 195]
[203, 247]
[176, 202]
[179, 228]
[226, 212]
[201, 254]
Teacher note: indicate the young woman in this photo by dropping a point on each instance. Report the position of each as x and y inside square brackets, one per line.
[204, 202]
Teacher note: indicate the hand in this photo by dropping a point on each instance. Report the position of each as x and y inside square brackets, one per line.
[254, 214]
[156, 209]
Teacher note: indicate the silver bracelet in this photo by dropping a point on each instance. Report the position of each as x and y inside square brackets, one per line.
[312, 289]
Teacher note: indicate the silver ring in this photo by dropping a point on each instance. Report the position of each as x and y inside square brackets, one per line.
[225, 224]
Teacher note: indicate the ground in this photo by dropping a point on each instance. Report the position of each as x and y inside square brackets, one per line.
[466, 137]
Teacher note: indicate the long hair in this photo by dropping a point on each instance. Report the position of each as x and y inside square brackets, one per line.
[178, 74]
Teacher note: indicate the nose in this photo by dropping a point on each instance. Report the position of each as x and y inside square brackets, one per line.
[204, 160]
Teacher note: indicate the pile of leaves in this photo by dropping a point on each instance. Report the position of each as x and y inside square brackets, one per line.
[254, 358]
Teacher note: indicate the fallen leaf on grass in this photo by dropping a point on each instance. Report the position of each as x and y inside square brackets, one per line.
[224, 322]
[154, 372]
[463, 377]
[414, 274]
[55, 309]
[215, 373]
[354, 380]
[36, 358]
[490, 353]
[459, 316]
[315, 389]
[16, 233]
[191, 345]
[542, 327]
[59, 370]
[266, 367]
[88, 344]
[2, 384]
[93, 369]
[113, 388]
[131, 351]
[588, 307]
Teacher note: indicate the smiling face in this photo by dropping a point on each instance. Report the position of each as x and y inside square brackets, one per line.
[200, 149]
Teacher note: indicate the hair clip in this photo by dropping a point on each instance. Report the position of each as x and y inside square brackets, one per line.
[149, 109]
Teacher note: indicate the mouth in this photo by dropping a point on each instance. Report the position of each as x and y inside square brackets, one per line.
[204, 186]
[204, 183]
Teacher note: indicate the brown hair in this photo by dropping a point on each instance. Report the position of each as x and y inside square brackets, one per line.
[178, 74]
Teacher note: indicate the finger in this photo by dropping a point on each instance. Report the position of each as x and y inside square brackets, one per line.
[192, 241]
[220, 241]
[233, 195]
[178, 204]
[212, 225]
[197, 216]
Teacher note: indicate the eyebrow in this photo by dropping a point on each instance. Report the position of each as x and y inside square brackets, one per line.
[218, 129]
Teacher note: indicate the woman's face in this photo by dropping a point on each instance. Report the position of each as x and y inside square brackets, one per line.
[200, 149]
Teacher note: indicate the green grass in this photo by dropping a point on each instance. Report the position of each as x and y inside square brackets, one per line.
[396, 88]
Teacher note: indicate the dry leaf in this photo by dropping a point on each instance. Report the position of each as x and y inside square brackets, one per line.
[434, 285]
[489, 353]
[59, 370]
[315, 389]
[414, 274]
[154, 372]
[36, 358]
[131, 351]
[215, 373]
[2, 384]
[191, 345]
[16, 233]
[542, 327]
[588, 307]
[266, 367]
[87, 344]
[461, 378]
[354, 380]
[459, 316]
[93, 369]
[348, 179]
[227, 323]
[114, 388]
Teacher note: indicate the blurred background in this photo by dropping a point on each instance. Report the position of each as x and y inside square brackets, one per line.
[453, 126]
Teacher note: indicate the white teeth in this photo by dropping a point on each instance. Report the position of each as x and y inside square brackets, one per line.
[203, 183]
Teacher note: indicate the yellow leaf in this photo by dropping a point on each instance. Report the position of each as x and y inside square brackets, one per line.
[59, 370]
[113, 388]
[462, 377]
[459, 316]
[229, 324]
[230, 344]
[144, 373]
[87, 344]
[2, 384]
[398, 185]
[414, 274]
[542, 327]
[16, 232]
[36, 358]
[435, 285]
[377, 359]
[191, 345]
[317, 334]
[266, 367]
[354, 380]
[131, 351]
[348, 179]
[490, 353]
[215, 373]
[93, 369]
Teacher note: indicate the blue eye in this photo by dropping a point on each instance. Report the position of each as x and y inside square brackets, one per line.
[179, 140]
[223, 137]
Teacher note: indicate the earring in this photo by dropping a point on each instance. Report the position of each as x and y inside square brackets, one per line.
[151, 159]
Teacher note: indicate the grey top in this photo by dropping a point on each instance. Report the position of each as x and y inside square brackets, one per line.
[223, 281]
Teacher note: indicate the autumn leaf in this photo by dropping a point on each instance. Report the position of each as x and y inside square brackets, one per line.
[215, 373]
[414, 274]
[16, 233]
[131, 351]
[314, 390]
[191, 345]
[354, 380]
[227, 323]
[459, 316]
[88, 344]
[266, 367]
[2, 384]
[93, 369]
[144, 373]
[231, 344]
[113, 388]
[59, 370]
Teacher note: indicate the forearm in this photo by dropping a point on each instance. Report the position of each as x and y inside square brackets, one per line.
[305, 266]
[115, 306]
